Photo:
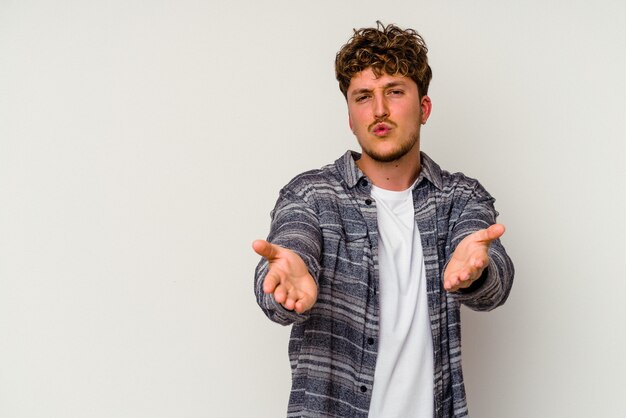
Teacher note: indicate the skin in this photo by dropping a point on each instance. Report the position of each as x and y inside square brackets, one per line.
[390, 157]
[385, 114]
[470, 258]
[288, 278]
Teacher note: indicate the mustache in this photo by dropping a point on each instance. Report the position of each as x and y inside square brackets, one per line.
[384, 120]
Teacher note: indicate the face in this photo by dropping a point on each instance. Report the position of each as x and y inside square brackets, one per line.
[386, 114]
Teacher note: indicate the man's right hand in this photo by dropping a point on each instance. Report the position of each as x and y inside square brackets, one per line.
[288, 278]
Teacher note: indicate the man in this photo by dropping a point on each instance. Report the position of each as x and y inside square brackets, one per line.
[371, 257]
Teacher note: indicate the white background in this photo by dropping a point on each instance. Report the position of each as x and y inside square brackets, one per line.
[143, 144]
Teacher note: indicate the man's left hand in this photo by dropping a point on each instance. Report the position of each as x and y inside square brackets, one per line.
[470, 258]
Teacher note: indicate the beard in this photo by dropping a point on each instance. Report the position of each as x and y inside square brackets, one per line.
[393, 155]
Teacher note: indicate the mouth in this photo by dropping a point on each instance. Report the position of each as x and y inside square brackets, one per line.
[381, 129]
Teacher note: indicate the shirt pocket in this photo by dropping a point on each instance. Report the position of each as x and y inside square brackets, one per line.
[345, 251]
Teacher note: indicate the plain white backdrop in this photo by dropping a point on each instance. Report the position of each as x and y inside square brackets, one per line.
[143, 144]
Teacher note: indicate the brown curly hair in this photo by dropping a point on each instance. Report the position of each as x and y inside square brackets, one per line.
[384, 49]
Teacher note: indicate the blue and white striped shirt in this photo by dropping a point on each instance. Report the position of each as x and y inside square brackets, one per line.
[328, 217]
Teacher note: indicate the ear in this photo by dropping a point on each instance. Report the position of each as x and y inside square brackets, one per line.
[350, 122]
[426, 106]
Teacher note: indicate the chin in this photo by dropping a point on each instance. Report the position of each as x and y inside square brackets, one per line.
[386, 157]
[392, 150]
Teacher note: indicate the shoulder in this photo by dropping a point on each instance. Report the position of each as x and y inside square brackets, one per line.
[460, 184]
[313, 189]
[312, 182]
[465, 195]
[454, 184]
[454, 188]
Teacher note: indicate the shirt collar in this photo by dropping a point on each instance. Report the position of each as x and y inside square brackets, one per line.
[351, 173]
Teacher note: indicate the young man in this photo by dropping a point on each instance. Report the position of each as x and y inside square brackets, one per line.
[371, 257]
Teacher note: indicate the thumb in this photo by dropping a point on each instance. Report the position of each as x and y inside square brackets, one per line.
[495, 231]
[265, 249]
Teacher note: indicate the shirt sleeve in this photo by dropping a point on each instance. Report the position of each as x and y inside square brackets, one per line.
[295, 226]
[495, 284]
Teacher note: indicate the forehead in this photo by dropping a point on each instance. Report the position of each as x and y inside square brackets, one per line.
[368, 80]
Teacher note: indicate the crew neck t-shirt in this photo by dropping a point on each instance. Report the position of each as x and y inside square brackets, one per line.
[403, 379]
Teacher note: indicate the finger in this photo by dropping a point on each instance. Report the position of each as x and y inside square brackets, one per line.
[289, 304]
[458, 284]
[452, 286]
[270, 282]
[495, 231]
[451, 282]
[302, 305]
[280, 294]
[480, 263]
[466, 282]
[463, 285]
[265, 249]
[459, 280]
[298, 307]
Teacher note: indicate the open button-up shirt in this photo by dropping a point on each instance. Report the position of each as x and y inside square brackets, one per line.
[328, 217]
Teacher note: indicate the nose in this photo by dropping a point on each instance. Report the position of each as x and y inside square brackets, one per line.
[381, 111]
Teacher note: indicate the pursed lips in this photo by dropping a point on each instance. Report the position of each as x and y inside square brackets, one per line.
[380, 129]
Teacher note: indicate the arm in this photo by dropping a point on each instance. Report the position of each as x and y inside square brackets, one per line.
[286, 277]
[478, 273]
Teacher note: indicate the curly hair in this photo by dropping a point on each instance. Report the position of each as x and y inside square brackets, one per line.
[384, 49]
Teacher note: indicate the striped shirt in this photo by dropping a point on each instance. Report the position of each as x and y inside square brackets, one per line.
[328, 217]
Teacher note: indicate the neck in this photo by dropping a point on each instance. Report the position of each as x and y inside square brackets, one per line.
[395, 175]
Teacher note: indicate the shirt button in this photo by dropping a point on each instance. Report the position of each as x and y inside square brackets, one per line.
[370, 341]
[363, 183]
[363, 389]
[368, 201]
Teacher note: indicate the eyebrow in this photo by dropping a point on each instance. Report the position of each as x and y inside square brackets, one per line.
[389, 85]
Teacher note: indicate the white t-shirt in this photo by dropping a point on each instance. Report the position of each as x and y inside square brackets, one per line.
[403, 379]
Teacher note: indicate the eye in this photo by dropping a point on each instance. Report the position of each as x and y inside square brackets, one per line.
[361, 98]
[396, 92]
